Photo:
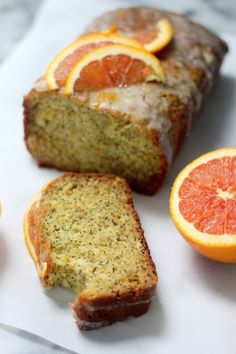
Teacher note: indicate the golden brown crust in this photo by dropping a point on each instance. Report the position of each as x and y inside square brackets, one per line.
[86, 319]
[104, 308]
[109, 309]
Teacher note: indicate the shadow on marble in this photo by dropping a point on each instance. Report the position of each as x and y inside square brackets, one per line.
[62, 297]
[153, 205]
[206, 135]
[3, 253]
[218, 277]
[151, 324]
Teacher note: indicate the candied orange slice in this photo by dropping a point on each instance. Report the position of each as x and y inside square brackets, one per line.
[59, 69]
[156, 38]
[203, 204]
[113, 66]
[153, 38]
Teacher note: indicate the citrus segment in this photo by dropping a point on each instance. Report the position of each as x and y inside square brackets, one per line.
[113, 66]
[59, 69]
[203, 204]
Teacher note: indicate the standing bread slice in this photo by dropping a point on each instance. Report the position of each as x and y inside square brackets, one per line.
[83, 233]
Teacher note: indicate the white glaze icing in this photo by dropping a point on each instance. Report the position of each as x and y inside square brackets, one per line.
[114, 306]
[91, 325]
[138, 102]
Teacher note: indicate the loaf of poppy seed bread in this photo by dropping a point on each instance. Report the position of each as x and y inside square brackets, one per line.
[134, 131]
[83, 233]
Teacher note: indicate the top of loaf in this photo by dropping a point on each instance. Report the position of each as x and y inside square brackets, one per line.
[134, 19]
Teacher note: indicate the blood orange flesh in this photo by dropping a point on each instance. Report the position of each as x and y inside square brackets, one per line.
[61, 66]
[208, 196]
[64, 68]
[112, 71]
[113, 66]
[145, 37]
[155, 37]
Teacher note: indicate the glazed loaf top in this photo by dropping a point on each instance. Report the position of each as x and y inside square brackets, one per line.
[191, 63]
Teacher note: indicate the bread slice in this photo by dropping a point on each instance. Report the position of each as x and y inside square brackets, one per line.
[135, 131]
[83, 233]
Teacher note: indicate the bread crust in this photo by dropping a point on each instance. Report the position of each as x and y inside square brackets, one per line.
[195, 54]
[109, 309]
[104, 308]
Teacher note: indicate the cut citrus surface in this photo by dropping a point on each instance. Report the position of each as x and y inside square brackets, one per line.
[154, 38]
[203, 204]
[40, 266]
[113, 66]
[62, 64]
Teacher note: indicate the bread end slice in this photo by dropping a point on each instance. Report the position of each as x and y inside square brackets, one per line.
[83, 233]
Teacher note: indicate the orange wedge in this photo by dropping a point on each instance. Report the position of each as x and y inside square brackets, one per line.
[40, 266]
[62, 64]
[203, 204]
[113, 66]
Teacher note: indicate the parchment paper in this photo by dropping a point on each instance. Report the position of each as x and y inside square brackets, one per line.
[194, 310]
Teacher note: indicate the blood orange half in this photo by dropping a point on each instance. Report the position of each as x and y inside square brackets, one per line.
[203, 204]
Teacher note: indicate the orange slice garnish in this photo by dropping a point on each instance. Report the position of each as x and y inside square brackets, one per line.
[156, 39]
[153, 38]
[203, 204]
[59, 69]
[113, 66]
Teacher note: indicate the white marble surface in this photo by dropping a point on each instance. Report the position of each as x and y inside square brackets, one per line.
[17, 341]
[16, 17]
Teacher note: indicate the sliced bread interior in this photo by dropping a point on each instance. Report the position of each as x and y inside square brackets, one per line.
[68, 135]
[84, 234]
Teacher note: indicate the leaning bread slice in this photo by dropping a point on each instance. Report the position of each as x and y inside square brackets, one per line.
[83, 233]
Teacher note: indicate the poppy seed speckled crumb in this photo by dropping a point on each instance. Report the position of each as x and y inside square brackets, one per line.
[85, 228]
